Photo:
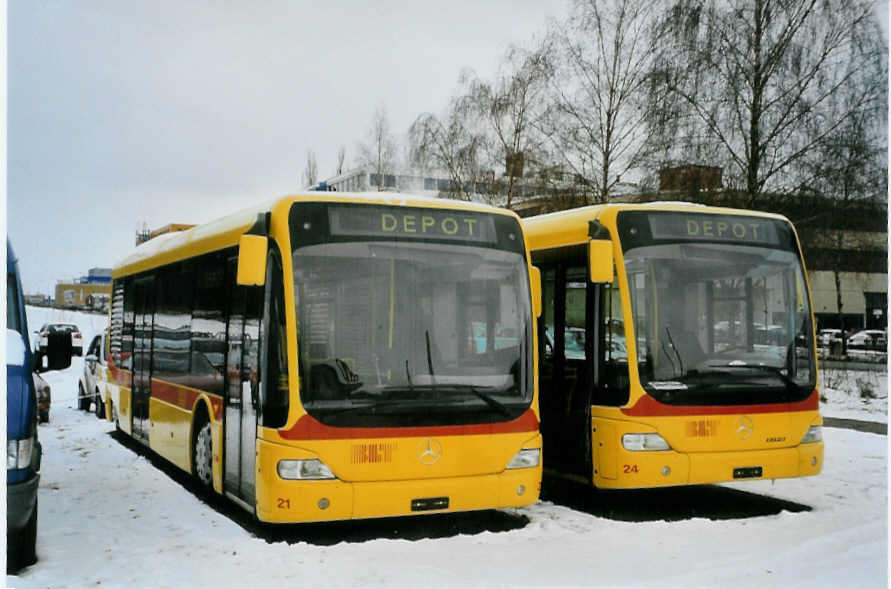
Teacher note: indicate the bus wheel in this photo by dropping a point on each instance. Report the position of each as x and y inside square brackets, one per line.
[203, 455]
[83, 404]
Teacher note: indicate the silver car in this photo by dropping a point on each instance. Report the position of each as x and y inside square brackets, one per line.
[90, 388]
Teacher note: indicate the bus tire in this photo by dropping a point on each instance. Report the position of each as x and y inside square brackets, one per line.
[202, 454]
[82, 403]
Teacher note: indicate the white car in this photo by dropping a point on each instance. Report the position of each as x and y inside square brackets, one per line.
[52, 330]
[90, 388]
[868, 338]
[827, 336]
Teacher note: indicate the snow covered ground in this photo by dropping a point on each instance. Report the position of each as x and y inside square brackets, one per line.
[854, 394]
[109, 517]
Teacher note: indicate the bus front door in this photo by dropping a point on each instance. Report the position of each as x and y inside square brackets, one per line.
[566, 369]
[242, 379]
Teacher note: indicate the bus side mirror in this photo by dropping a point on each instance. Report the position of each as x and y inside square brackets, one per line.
[535, 278]
[252, 260]
[600, 260]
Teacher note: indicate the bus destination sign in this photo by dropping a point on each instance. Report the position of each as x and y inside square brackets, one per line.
[754, 230]
[411, 223]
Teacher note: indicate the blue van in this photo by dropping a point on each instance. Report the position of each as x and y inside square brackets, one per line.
[22, 448]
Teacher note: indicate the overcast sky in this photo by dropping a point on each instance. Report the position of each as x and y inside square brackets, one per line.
[123, 113]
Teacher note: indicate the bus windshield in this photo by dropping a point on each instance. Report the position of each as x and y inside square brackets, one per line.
[719, 320]
[410, 332]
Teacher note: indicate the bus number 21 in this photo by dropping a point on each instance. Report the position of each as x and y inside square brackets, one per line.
[630, 468]
[284, 503]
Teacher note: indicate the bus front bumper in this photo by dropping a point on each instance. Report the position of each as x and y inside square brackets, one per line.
[281, 501]
[634, 470]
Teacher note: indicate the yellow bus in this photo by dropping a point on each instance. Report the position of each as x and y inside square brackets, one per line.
[334, 356]
[676, 346]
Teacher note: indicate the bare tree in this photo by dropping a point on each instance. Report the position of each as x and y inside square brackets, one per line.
[599, 123]
[455, 145]
[755, 76]
[379, 150]
[513, 108]
[311, 171]
[341, 159]
[848, 176]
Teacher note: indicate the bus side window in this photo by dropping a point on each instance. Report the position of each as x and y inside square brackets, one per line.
[116, 325]
[128, 319]
[274, 402]
[612, 388]
[547, 315]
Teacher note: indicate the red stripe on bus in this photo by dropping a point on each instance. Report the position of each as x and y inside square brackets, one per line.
[184, 397]
[119, 376]
[647, 406]
[309, 428]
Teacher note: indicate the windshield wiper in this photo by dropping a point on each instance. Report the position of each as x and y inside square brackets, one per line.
[675, 348]
[775, 370]
[459, 388]
[489, 400]
[429, 357]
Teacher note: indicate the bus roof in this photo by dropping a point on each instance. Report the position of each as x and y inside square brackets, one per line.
[571, 226]
[226, 231]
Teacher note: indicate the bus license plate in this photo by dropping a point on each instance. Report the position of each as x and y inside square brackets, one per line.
[430, 504]
[748, 472]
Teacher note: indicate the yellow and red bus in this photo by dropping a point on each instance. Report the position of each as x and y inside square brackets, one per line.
[676, 346]
[335, 356]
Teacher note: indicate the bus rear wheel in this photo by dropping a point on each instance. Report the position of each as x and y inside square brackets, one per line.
[202, 455]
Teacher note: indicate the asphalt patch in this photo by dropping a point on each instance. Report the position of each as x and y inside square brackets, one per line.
[712, 502]
[871, 427]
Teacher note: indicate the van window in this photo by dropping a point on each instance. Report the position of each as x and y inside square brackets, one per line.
[13, 313]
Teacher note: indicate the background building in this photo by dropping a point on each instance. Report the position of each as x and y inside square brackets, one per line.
[91, 292]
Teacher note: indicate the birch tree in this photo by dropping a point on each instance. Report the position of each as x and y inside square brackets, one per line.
[755, 76]
[513, 107]
[378, 152]
[455, 144]
[599, 127]
[310, 170]
[341, 160]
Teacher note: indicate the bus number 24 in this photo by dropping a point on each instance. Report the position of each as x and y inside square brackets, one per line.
[630, 468]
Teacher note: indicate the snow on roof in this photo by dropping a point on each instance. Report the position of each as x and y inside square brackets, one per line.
[171, 241]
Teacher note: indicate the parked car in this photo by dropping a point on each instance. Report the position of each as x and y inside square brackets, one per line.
[23, 451]
[868, 338]
[90, 387]
[827, 336]
[44, 398]
[51, 330]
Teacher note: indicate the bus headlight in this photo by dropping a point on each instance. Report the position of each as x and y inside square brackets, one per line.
[644, 442]
[18, 453]
[814, 434]
[525, 458]
[304, 470]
